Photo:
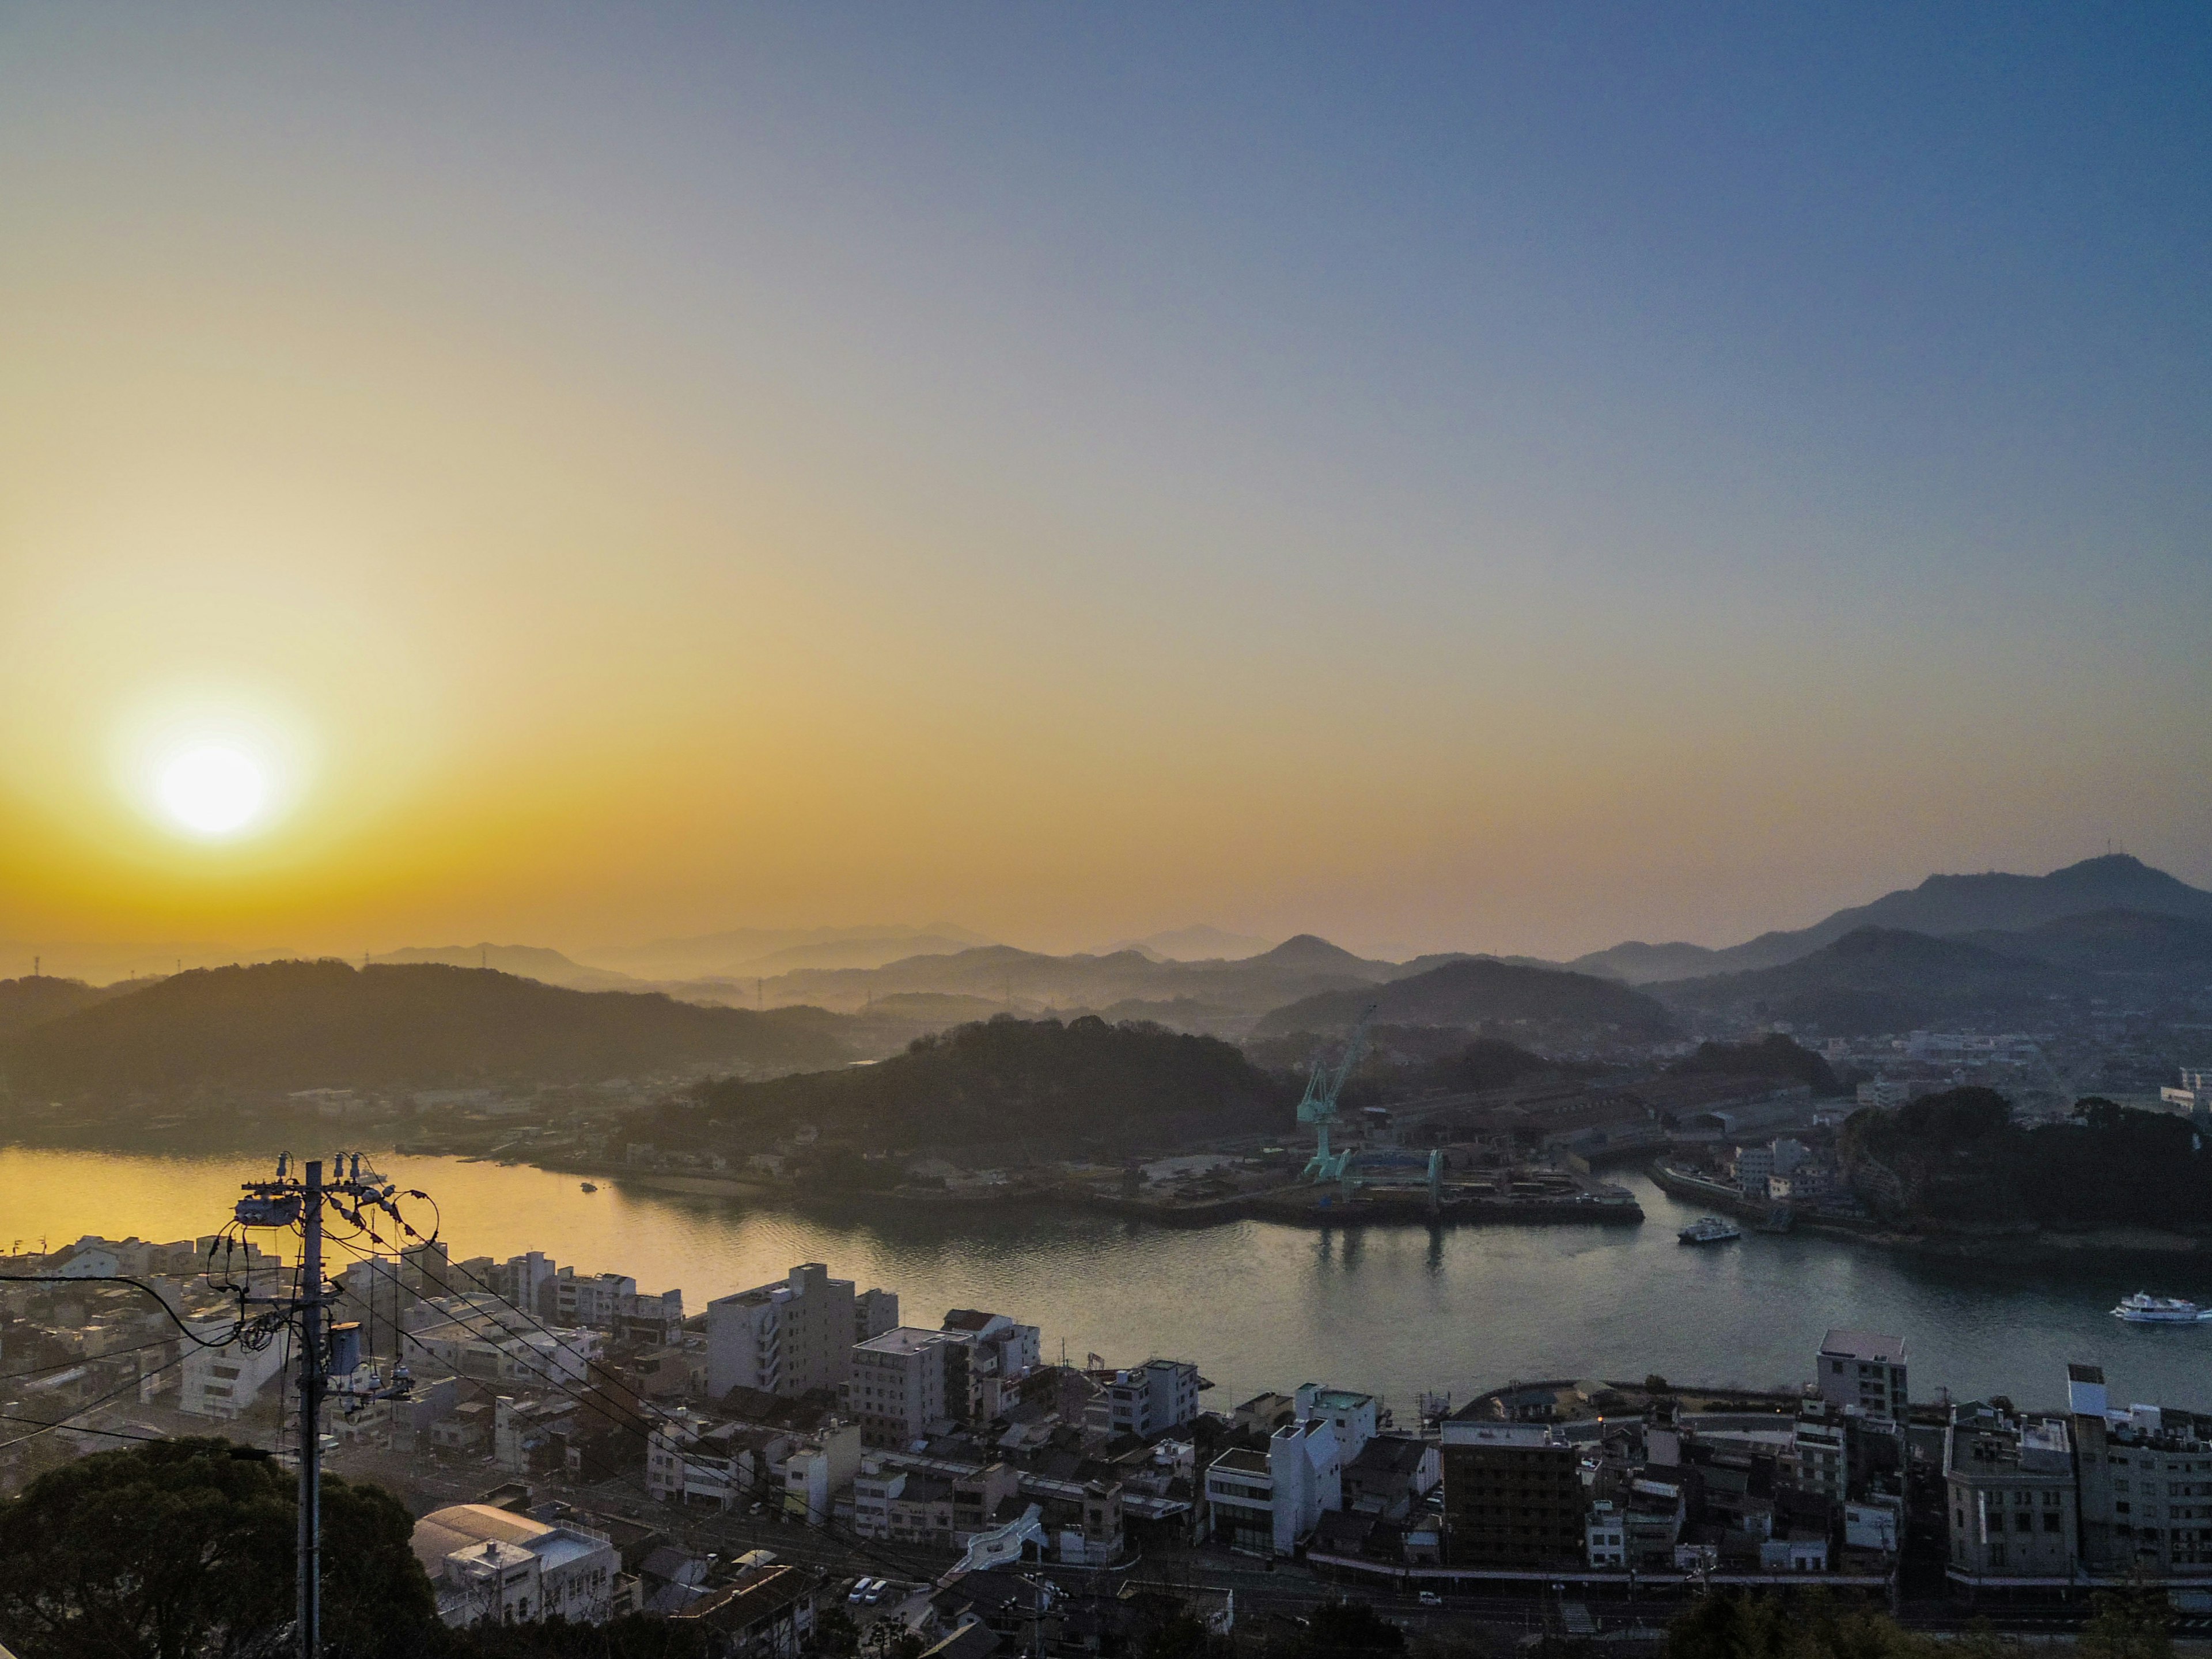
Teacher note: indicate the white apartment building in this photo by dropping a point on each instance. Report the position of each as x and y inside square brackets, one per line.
[491, 1565]
[1353, 1416]
[1153, 1399]
[793, 1336]
[1605, 1536]
[998, 1352]
[223, 1383]
[1264, 1502]
[897, 1386]
[1864, 1369]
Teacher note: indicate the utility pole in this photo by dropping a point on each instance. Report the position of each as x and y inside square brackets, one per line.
[309, 1551]
[287, 1201]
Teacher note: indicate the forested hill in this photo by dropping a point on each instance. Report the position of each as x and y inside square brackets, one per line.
[1038, 1083]
[1548, 1004]
[1956, 1160]
[34, 999]
[283, 1026]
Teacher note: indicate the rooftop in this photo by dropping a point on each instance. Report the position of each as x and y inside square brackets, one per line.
[1873, 1345]
[907, 1339]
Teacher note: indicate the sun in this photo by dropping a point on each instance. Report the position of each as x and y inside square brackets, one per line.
[213, 789]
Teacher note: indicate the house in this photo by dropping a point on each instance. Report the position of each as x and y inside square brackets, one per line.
[1391, 1473]
[765, 1613]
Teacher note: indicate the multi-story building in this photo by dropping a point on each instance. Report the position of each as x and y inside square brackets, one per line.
[1264, 1502]
[2010, 1492]
[1605, 1538]
[1156, 1398]
[2144, 1481]
[996, 1353]
[1513, 1496]
[901, 1383]
[693, 1459]
[1864, 1369]
[1353, 1416]
[491, 1565]
[794, 1336]
[1819, 1453]
[223, 1383]
[594, 1301]
[452, 1336]
[907, 1506]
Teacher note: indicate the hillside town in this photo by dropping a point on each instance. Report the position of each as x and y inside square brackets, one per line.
[568, 1442]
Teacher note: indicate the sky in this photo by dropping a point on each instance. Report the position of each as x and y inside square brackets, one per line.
[1487, 478]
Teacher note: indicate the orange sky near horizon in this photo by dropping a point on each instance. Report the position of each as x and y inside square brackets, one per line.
[609, 510]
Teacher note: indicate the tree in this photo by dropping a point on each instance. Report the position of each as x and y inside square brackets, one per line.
[1728, 1627]
[2137, 1623]
[1352, 1630]
[182, 1549]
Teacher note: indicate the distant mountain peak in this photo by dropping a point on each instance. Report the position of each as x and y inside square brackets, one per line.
[1306, 949]
[1200, 943]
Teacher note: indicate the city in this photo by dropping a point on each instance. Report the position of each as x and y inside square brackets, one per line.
[587, 1450]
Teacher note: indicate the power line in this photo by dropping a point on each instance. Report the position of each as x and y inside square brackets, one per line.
[91, 1406]
[113, 1278]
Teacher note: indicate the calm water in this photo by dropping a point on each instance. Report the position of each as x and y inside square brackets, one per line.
[1392, 1310]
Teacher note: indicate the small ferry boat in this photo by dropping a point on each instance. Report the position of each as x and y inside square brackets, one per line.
[1710, 1230]
[591, 1186]
[2144, 1309]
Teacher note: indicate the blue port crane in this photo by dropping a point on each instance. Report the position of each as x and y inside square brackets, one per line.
[1324, 1083]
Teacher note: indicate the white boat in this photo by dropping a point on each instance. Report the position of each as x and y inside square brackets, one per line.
[2144, 1309]
[1710, 1230]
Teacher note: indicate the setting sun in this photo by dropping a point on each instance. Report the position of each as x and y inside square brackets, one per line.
[213, 790]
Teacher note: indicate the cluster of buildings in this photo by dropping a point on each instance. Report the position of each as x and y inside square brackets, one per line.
[2048, 1500]
[809, 1397]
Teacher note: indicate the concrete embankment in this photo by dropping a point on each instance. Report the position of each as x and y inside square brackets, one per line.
[1301, 1206]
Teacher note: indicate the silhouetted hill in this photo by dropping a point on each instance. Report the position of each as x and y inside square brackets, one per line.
[548, 967]
[1940, 906]
[2113, 942]
[1881, 979]
[289, 1025]
[1199, 944]
[1955, 1159]
[34, 999]
[1038, 1083]
[1552, 1004]
[1030, 981]
[1774, 1057]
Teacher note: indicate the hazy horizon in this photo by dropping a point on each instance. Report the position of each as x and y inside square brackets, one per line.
[1459, 479]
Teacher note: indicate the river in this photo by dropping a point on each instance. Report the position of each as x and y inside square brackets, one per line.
[1395, 1310]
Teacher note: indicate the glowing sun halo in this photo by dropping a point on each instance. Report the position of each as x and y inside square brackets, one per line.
[213, 790]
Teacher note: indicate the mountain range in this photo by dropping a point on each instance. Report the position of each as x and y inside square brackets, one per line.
[291, 1025]
[1941, 906]
[754, 953]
